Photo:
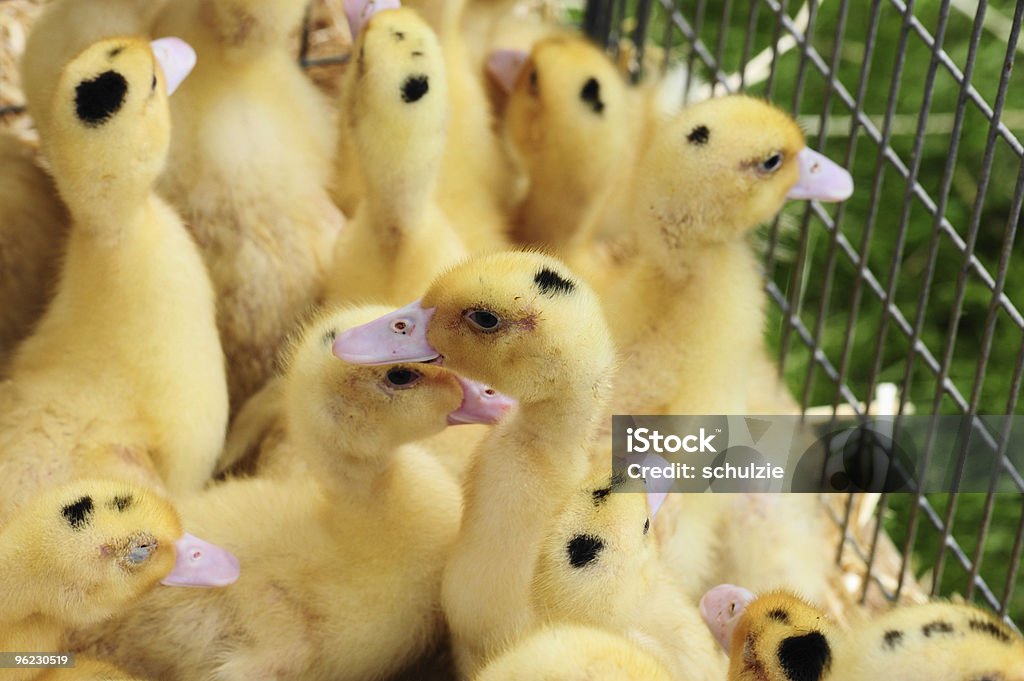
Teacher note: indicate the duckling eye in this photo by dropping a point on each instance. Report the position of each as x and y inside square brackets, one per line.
[140, 553]
[152, 85]
[403, 378]
[533, 82]
[772, 163]
[483, 320]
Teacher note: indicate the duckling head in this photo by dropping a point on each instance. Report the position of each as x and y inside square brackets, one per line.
[774, 637]
[100, 544]
[398, 106]
[519, 321]
[370, 409]
[109, 122]
[566, 107]
[594, 563]
[721, 167]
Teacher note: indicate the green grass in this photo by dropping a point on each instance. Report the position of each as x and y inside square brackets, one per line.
[878, 207]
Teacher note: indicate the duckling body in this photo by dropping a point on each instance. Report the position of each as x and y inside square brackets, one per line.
[574, 653]
[933, 642]
[344, 571]
[522, 322]
[397, 119]
[247, 170]
[476, 177]
[720, 168]
[124, 374]
[572, 126]
[33, 226]
[78, 553]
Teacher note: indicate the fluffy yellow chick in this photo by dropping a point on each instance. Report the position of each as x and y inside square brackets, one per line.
[124, 374]
[574, 653]
[396, 116]
[343, 571]
[248, 168]
[777, 636]
[79, 553]
[476, 177]
[931, 642]
[600, 566]
[33, 227]
[719, 168]
[62, 31]
[572, 126]
[524, 323]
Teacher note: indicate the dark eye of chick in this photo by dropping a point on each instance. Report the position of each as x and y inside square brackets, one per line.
[403, 378]
[772, 163]
[152, 85]
[483, 320]
[533, 82]
[139, 554]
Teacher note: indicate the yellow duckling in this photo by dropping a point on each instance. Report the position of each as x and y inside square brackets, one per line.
[527, 325]
[574, 653]
[124, 374]
[931, 642]
[720, 168]
[343, 571]
[572, 126]
[80, 553]
[33, 227]
[777, 636]
[476, 177]
[248, 170]
[600, 566]
[396, 115]
[63, 30]
[522, 323]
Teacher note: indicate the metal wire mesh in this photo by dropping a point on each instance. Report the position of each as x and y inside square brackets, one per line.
[909, 282]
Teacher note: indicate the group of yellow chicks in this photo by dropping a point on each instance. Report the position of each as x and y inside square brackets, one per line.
[194, 338]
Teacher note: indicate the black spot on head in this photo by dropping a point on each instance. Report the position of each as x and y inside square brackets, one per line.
[329, 337]
[893, 638]
[699, 135]
[550, 282]
[647, 526]
[78, 514]
[398, 35]
[990, 628]
[121, 503]
[591, 94]
[937, 627]
[805, 658]
[416, 53]
[414, 88]
[98, 99]
[779, 615]
[583, 550]
[115, 51]
[601, 495]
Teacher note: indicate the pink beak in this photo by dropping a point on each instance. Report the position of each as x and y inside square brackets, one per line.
[200, 563]
[176, 58]
[820, 178]
[397, 337]
[480, 404]
[504, 67]
[722, 607]
[359, 13]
